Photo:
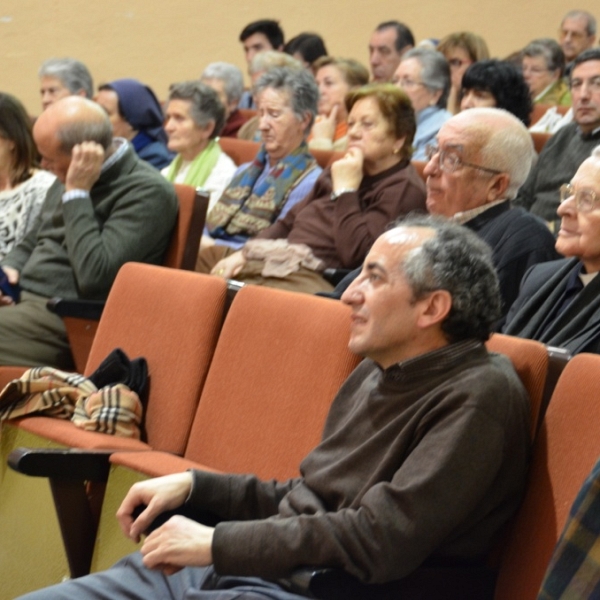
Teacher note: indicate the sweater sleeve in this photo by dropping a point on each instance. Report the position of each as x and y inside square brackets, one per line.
[138, 228]
[239, 497]
[397, 523]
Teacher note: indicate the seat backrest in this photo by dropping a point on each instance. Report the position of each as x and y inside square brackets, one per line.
[172, 318]
[326, 157]
[240, 151]
[566, 449]
[280, 359]
[539, 140]
[530, 360]
[185, 238]
[537, 112]
[248, 113]
[419, 165]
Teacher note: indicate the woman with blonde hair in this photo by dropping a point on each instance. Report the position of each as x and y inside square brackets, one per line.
[335, 78]
[461, 50]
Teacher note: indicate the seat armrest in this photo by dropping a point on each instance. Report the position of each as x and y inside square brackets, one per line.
[457, 583]
[78, 482]
[61, 464]
[80, 309]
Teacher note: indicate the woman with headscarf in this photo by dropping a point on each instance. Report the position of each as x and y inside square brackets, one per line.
[136, 115]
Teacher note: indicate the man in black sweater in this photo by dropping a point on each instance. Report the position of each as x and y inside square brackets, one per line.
[483, 156]
[422, 460]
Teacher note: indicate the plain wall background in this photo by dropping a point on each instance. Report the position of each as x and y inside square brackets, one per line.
[163, 42]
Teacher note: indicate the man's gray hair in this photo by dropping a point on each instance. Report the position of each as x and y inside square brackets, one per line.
[300, 86]
[73, 74]
[231, 77]
[590, 25]
[506, 145]
[435, 72]
[205, 105]
[458, 261]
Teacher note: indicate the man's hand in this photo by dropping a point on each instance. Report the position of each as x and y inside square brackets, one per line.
[13, 278]
[324, 126]
[347, 172]
[159, 495]
[86, 163]
[179, 543]
[230, 266]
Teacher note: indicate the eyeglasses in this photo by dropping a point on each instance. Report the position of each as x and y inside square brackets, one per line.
[534, 70]
[585, 199]
[408, 83]
[450, 160]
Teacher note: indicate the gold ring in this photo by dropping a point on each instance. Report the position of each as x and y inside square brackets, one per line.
[220, 271]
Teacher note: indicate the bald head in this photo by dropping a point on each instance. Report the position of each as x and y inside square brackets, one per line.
[500, 140]
[63, 125]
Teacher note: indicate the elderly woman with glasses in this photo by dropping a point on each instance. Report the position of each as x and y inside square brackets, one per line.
[559, 302]
[543, 65]
[425, 77]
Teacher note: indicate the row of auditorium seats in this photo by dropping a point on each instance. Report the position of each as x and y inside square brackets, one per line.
[231, 393]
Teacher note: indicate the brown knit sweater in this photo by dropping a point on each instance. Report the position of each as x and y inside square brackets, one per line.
[425, 460]
[341, 232]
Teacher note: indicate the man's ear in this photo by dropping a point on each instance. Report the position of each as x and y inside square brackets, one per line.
[434, 308]
[498, 186]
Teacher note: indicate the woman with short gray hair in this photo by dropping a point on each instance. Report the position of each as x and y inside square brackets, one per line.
[543, 64]
[424, 75]
[194, 118]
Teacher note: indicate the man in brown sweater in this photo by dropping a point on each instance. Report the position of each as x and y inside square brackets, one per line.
[422, 460]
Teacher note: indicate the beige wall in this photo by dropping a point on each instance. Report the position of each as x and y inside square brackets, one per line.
[163, 42]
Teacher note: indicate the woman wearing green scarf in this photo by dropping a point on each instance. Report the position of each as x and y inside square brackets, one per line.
[195, 116]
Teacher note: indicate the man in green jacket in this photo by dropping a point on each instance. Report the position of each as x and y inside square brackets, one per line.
[106, 208]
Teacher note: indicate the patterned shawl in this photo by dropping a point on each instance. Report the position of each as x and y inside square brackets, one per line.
[247, 208]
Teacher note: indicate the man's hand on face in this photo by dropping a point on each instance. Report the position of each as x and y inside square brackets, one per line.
[86, 162]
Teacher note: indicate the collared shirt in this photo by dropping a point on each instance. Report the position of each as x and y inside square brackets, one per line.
[466, 215]
[119, 146]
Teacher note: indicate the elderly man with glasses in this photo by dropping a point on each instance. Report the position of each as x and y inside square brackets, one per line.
[481, 158]
[559, 302]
